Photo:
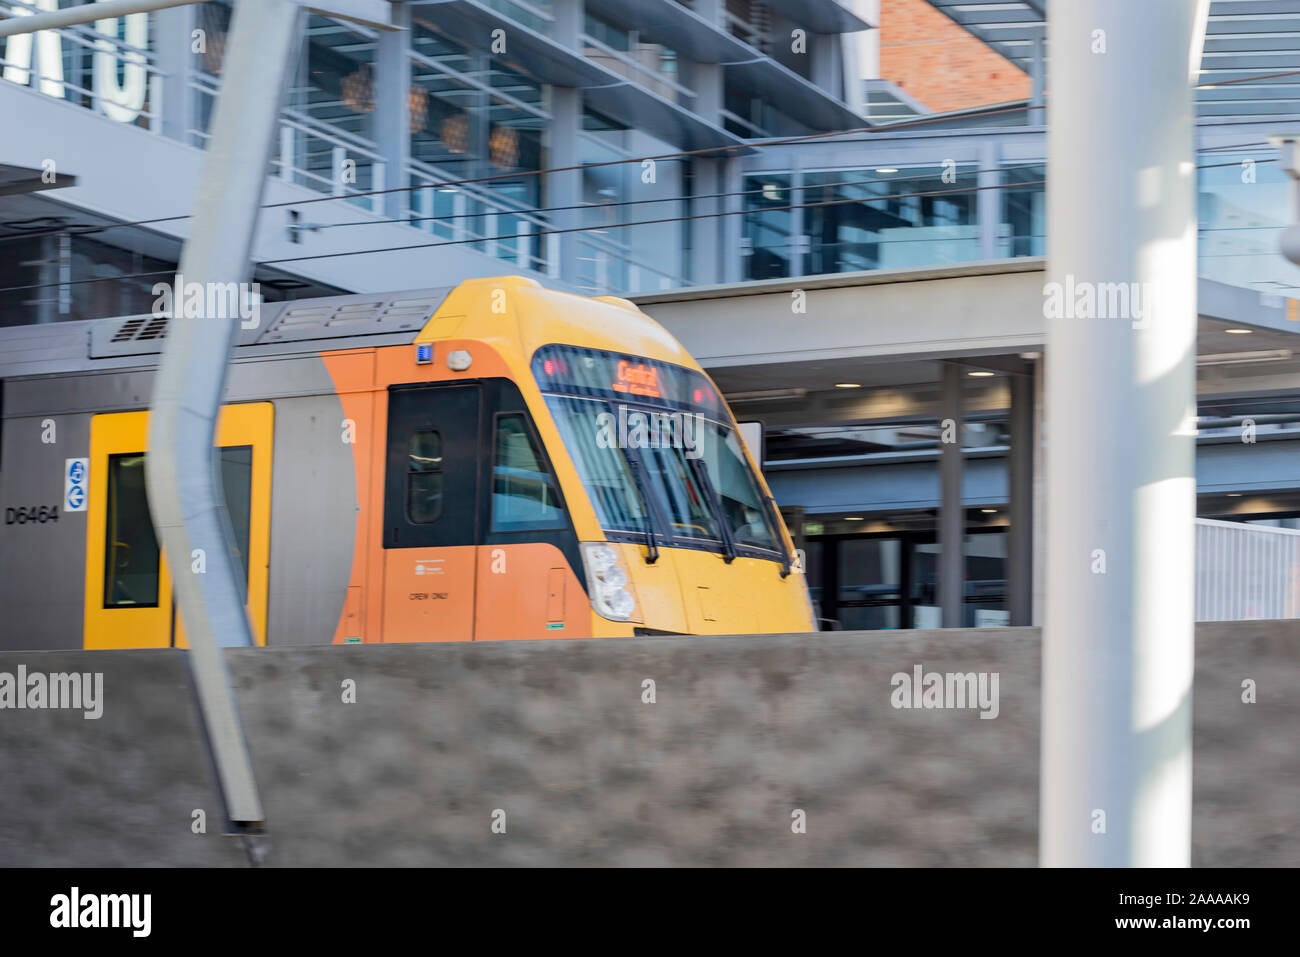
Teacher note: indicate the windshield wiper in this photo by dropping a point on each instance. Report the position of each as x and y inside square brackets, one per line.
[774, 516]
[651, 539]
[724, 530]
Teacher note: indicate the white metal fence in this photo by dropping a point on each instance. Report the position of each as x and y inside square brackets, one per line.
[1246, 571]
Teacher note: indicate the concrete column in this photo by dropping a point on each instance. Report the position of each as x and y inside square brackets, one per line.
[1038, 79]
[952, 514]
[706, 80]
[988, 201]
[826, 63]
[1117, 643]
[172, 47]
[799, 239]
[566, 29]
[564, 189]
[710, 10]
[705, 262]
[732, 226]
[392, 106]
[1020, 485]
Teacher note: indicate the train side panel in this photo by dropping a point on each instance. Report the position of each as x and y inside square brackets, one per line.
[42, 544]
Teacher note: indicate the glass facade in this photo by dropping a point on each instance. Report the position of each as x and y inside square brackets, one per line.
[1024, 211]
[769, 227]
[866, 219]
[477, 113]
[1243, 204]
[849, 220]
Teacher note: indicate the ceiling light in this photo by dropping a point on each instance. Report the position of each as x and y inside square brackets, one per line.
[761, 395]
[853, 518]
[989, 511]
[1238, 332]
[979, 374]
[886, 169]
[1234, 495]
[1240, 358]
[848, 385]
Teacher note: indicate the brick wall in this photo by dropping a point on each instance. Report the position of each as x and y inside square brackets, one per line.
[939, 63]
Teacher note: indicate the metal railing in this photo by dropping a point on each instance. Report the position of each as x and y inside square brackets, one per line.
[136, 99]
[353, 166]
[1246, 571]
[480, 220]
[318, 155]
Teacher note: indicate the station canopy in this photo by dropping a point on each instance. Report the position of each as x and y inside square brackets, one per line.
[1250, 66]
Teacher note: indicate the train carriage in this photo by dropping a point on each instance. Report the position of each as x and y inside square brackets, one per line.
[490, 461]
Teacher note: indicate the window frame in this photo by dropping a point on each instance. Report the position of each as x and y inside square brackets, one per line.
[406, 497]
[561, 521]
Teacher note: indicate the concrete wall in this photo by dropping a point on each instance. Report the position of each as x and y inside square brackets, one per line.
[743, 732]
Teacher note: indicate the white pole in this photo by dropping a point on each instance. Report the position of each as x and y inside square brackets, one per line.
[1120, 404]
[188, 509]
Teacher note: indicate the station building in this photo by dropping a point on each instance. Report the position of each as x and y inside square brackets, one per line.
[839, 208]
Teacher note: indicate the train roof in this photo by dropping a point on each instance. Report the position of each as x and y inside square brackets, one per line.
[326, 324]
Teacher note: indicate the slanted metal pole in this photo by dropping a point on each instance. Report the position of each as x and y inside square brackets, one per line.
[1120, 304]
[85, 13]
[182, 467]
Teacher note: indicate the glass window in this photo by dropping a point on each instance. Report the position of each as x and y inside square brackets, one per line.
[524, 496]
[601, 464]
[424, 477]
[237, 485]
[874, 220]
[131, 559]
[986, 581]
[1024, 211]
[684, 499]
[768, 226]
[870, 570]
[475, 114]
[742, 500]
[131, 548]
[1241, 219]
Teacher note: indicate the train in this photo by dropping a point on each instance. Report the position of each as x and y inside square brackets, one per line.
[493, 460]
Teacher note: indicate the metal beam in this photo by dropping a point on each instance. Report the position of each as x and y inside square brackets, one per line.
[952, 512]
[182, 466]
[85, 13]
[371, 13]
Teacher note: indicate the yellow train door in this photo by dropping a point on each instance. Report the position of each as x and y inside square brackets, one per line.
[128, 589]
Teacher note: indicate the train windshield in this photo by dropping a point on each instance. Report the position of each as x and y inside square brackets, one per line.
[652, 446]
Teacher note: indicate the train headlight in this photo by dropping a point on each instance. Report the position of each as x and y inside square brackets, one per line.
[607, 583]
